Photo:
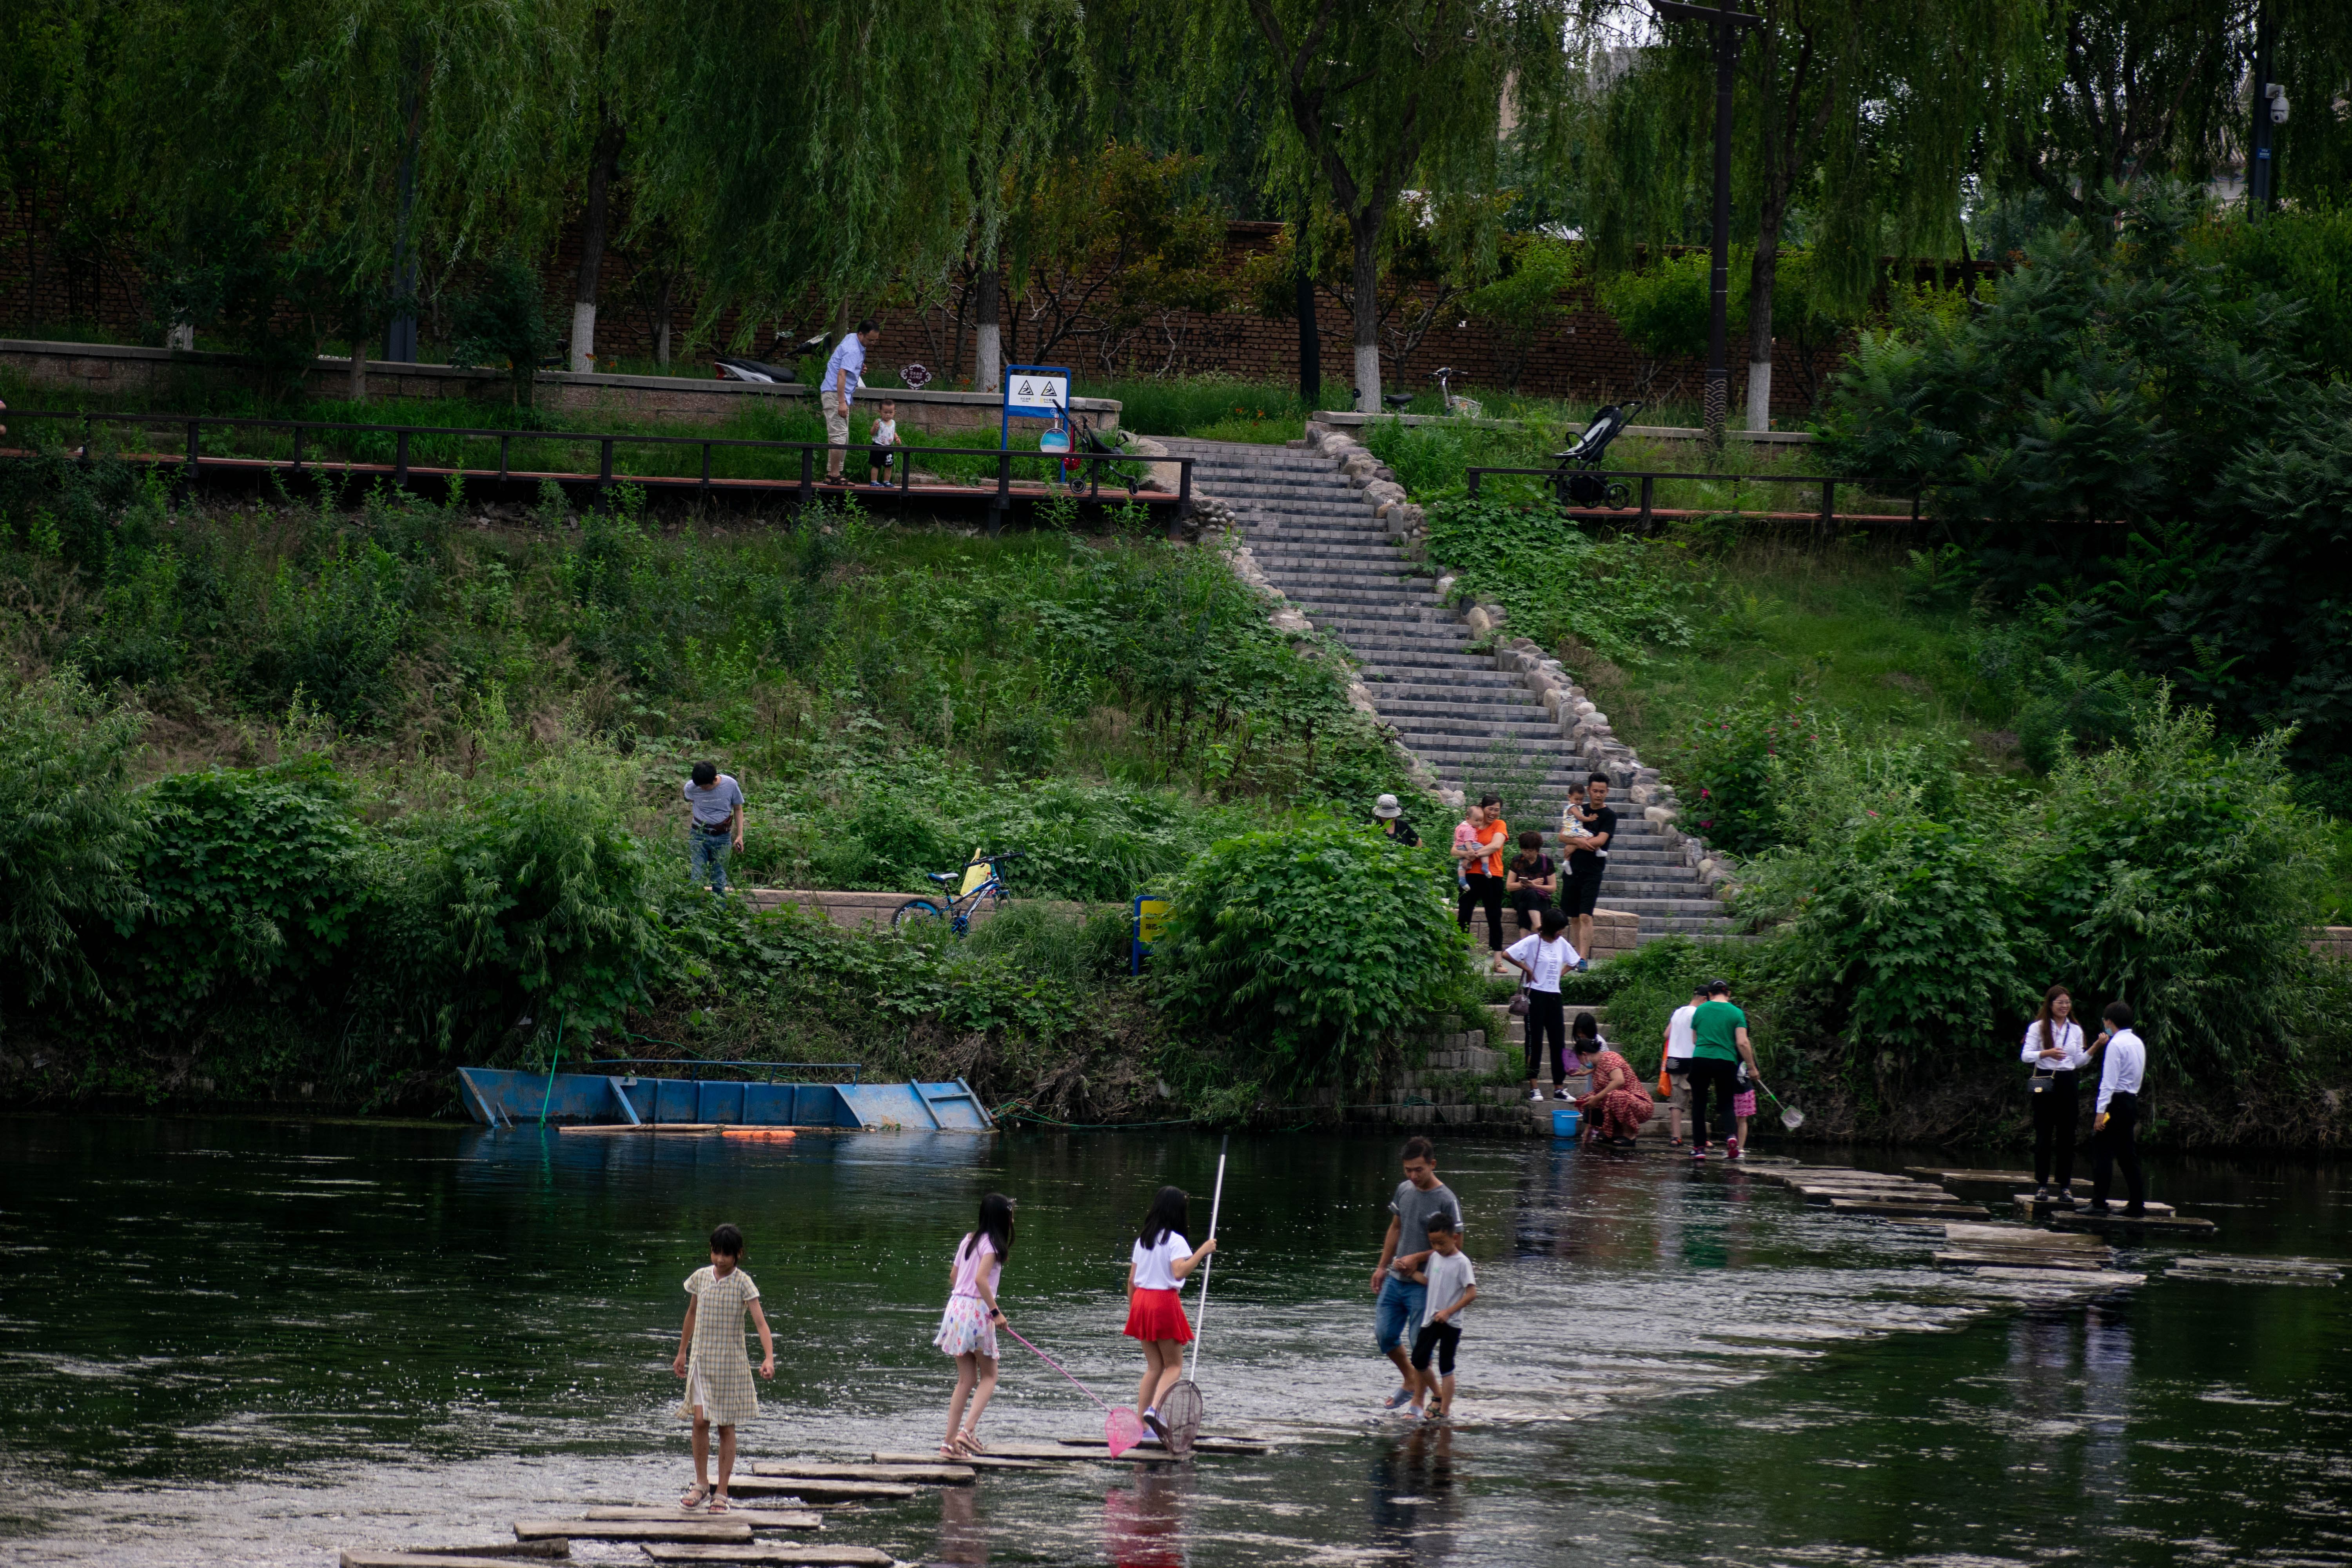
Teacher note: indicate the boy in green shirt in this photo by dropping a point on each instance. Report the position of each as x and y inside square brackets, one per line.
[1720, 1031]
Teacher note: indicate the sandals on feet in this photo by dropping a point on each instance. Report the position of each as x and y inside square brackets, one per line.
[718, 1504]
[968, 1444]
[697, 1495]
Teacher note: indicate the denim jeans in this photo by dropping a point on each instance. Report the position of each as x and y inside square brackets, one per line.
[710, 851]
[1400, 1306]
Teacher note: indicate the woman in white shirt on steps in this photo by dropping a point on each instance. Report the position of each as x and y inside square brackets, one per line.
[2053, 1047]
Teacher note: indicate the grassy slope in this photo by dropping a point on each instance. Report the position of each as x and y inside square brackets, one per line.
[1831, 626]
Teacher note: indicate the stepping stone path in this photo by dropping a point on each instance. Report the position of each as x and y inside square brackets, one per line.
[1312, 534]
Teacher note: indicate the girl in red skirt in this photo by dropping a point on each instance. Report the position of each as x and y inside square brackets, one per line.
[1156, 1265]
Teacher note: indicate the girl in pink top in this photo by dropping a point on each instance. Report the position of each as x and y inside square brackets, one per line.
[968, 1328]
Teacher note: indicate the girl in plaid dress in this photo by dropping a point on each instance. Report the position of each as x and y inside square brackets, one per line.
[719, 1388]
[968, 1328]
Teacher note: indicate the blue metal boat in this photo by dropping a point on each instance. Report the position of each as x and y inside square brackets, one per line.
[499, 1098]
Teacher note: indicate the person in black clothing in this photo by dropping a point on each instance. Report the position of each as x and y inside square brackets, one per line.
[1587, 826]
[1530, 879]
[2054, 1045]
[1389, 817]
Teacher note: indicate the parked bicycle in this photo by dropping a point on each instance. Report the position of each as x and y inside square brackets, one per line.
[1460, 407]
[952, 908]
[1576, 482]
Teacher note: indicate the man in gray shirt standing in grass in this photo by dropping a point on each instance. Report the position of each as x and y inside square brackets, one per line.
[1418, 1196]
[715, 803]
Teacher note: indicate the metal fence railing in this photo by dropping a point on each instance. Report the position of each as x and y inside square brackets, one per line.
[1647, 507]
[400, 452]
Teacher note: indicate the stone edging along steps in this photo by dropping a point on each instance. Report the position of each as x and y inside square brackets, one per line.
[1328, 536]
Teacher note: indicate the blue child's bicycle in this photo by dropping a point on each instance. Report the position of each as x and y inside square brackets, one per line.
[956, 908]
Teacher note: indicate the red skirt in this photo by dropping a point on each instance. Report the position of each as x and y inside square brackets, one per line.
[1157, 1315]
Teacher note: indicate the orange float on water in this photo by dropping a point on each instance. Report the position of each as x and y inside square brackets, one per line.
[758, 1132]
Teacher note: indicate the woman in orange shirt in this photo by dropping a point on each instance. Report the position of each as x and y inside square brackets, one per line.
[1479, 844]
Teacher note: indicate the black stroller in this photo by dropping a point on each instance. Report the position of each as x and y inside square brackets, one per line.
[1576, 482]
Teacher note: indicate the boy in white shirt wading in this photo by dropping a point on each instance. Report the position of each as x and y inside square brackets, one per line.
[1542, 958]
[1453, 1285]
[2123, 1066]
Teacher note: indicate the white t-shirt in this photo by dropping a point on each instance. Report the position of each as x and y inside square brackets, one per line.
[1680, 1041]
[884, 433]
[1448, 1278]
[2067, 1037]
[1545, 958]
[1155, 1267]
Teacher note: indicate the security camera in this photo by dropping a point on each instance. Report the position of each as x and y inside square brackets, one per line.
[2277, 95]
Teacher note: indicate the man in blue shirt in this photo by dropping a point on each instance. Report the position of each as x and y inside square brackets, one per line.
[843, 374]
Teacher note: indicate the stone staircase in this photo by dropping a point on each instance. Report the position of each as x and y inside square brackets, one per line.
[1314, 535]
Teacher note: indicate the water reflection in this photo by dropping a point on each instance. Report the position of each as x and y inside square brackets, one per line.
[2070, 1372]
[964, 1537]
[1415, 1508]
[1144, 1525]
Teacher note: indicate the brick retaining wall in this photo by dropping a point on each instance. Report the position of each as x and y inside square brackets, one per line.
[168, 376]
[1582, 359]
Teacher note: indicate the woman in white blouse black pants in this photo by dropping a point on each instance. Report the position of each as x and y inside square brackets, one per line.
[2054, 1045]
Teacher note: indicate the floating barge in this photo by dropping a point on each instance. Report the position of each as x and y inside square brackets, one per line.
[497, 1097]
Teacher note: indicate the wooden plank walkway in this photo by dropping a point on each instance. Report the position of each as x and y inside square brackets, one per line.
[1030, 491]
[758, 1519]
[683, 1527]
[774, 1552]
[2119, 1225]
[811, 1488]
[977, 1462]
[918, 1472]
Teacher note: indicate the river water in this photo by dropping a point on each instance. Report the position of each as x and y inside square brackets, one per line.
[254, 1341]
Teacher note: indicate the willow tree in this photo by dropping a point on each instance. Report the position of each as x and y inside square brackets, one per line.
[370, 138]
[1864, 114]
[1382, 97]
[2139, 88]
[824, 146]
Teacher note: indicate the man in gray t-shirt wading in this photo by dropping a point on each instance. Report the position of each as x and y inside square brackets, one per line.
[1418, 1196]
[715, 802]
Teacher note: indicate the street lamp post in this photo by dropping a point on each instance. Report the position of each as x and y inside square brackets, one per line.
[1726, 25]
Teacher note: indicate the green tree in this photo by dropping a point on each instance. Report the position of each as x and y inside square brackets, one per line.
[1386, 96]
[1524, 305]
[1865, 116]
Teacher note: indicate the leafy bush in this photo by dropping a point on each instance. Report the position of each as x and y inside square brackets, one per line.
[70, 830]
[502, 322]
[1309, 944]
[1911, 923]
[2180, 874]
[1662, 309]
[1733, 769]
[332, 635]
[1617, 596]
[255, 884]
[547, 896]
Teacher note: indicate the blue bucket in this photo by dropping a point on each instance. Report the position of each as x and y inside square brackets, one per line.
[1565, 1120]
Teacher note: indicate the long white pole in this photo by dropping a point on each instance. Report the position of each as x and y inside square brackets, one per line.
[1216, 1202]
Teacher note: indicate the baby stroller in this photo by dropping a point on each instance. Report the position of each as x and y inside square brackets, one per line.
[1081, 441]
[1577, 482]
